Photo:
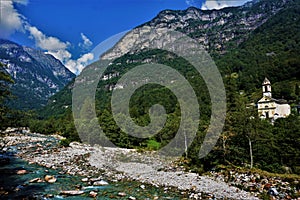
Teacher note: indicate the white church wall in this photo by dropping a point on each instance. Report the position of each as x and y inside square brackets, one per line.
[283, 110]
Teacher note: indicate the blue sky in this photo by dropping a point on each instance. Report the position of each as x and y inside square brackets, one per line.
[70, 29]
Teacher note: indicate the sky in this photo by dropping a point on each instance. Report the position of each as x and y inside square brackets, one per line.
[70, 30]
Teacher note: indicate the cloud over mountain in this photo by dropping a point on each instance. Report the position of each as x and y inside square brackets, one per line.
[46, 42]
[59, 49]
[12, 21]
[214, 4]
[219, 4]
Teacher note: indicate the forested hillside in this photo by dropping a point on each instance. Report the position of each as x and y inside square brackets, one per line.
[271, 50]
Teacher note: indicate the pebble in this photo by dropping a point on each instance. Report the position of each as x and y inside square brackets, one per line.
[122, 194]
[93, 194]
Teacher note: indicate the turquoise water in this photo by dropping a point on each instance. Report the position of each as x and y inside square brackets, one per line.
[14, 186]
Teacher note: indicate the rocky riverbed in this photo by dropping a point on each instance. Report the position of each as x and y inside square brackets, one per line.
[99, 166]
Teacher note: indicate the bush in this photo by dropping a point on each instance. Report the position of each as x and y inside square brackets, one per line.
[153, 145]
[65, 142]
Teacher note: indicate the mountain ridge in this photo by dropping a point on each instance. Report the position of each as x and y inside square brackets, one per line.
[235, 61]
[216, 30]
[37, 75]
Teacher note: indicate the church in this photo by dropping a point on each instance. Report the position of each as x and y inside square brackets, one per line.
[270, 108]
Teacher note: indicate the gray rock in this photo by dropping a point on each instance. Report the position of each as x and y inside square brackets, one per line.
[85, 180]
[122, 194]
[71, 192]
[100, 183]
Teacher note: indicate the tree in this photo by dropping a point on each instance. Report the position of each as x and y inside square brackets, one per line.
[251, 133]
[5, 93]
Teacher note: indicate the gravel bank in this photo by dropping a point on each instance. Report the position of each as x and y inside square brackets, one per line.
[116, 164]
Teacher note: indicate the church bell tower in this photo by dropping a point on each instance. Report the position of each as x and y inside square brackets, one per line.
[266, 87]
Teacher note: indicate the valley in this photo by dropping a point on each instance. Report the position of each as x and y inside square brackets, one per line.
[61, 142]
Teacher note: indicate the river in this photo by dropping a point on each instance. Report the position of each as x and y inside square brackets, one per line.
[19, 186]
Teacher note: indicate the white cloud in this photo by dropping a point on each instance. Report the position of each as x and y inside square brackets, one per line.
[10, 19]
[62, 55]
[59, 49]
[219, 4]
[76, 66]
[45, 42]
[87, 43]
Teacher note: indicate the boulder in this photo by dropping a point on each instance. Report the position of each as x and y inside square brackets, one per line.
[122, 194]
[50, 179]
[53, 180]
[95, 179]
[36, 180]
[71, 192]
[85, 180]
[100, 183]
[93, 194]
[273, 191]
[22, 171]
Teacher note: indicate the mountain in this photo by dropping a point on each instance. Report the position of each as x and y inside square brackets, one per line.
[267, 44]
[271, 50]
[37, 75]
[217, 30]
[259, 39]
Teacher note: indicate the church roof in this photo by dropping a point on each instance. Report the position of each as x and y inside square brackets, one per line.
[280, 101]
[268, 99]
[265, 98]
[266, 81]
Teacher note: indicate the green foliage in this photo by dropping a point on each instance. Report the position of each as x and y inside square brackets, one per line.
[272, 50]
[65, 142]
[5, 81]
[43, 126]
[63, 125]
[273, 146]
[153, 145]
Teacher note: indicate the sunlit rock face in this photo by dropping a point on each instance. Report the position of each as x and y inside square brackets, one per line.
[216, 30]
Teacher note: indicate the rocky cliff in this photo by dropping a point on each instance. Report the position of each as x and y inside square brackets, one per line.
[216, 30]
